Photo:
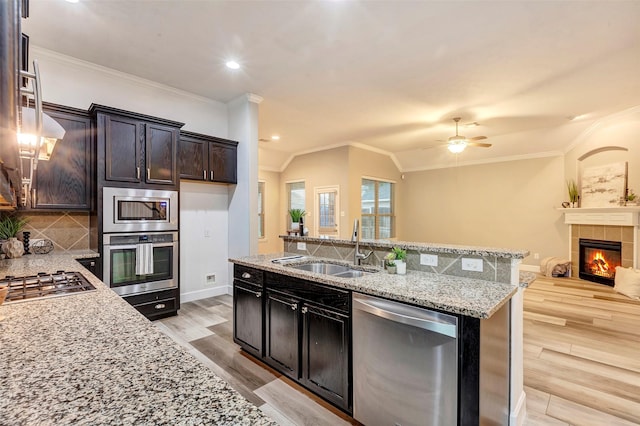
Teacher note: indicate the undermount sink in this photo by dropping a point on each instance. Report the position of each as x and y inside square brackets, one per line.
[342, 271]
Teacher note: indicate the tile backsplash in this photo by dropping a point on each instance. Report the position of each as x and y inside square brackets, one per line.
[66, 230]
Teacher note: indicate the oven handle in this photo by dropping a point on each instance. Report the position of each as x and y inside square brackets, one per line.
[134, 246]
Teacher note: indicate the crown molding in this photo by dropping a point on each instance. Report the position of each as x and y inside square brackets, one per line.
[599, 123]
[488, 161]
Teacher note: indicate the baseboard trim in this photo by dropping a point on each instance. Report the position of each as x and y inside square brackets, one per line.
[203, 294]
[530, 268]
[519, 411]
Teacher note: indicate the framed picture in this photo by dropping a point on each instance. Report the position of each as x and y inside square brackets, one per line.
[602, 186]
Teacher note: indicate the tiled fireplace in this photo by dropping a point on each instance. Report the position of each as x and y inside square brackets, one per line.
[619, 227]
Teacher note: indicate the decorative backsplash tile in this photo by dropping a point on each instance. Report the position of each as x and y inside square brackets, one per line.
[67, 230]
[495, 268]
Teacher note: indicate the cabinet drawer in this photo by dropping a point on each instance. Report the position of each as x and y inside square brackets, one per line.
[317, 294]
[157, 307]
[250, 275]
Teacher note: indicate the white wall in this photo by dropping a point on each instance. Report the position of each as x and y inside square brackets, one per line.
[72, 82]
[204, 224]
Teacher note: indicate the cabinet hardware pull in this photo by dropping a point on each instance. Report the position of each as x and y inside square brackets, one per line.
[92, 263]
[204, 175]
[148, 173]
[294, 306]
[33, 197]
[258, 294]
[304, 310]
[138, 172]
[211, 174]
[160, 306]
[246, 275]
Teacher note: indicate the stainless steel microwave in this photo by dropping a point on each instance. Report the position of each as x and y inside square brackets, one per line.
[139, 210]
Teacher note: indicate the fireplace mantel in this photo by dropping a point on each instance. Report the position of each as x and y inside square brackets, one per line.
[621, 216]
[611, 218]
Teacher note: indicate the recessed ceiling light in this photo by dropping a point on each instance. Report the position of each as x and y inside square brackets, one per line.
[233, 65]
[275, 137]
[72, 1]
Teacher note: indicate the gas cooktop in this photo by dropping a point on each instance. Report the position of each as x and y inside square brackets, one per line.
[45, 285]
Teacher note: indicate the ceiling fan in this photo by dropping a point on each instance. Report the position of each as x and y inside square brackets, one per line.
[458, 143]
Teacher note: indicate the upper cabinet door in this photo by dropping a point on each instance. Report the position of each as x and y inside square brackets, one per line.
[193, 160]
[207, 158]
[64, 181]
[223, 162]
[161, 150]
[136, 150]
[123, 145]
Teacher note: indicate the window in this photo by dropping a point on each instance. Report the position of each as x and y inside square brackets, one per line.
[296, 195]
[260, 209]
[377, 209]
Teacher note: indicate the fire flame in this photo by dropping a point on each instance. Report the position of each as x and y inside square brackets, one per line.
[600, 266]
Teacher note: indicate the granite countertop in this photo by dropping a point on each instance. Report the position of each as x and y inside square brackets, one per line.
[430, 247]
[466, 296]
[91, 359]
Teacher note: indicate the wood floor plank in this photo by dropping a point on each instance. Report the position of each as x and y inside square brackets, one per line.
[595, 381]
[297, 407]
[580, 415]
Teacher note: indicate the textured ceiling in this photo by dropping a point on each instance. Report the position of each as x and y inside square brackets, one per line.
[387, 74]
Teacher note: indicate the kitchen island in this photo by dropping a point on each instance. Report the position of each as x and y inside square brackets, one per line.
[90, 358]
[307, 305]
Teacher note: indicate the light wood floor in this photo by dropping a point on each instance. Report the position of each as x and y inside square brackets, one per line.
[581, 358]
[581, 354]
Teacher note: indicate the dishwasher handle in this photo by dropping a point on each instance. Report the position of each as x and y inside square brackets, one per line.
[399, 312]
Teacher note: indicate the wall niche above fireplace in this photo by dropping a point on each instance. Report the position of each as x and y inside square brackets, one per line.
[598, 260]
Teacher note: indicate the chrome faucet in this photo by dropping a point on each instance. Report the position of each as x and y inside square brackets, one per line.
[357, 256]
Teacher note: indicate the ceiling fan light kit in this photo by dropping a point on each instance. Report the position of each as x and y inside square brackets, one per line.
[458, 143]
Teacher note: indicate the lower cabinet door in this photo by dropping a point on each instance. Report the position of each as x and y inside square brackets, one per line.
[247, 317]
[325, 354]
[281, 330]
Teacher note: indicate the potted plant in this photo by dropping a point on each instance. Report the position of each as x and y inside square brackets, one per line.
[572, 188]
[631, 198]
[389, 261]
[10, 225]
[400, 257]
[296, 215]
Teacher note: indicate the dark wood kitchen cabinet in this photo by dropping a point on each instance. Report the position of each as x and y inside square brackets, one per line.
[207, 158]
[308, 334]
[325, 353]
[248, 309]
[281, 333]
[64, 182]
[135, 150]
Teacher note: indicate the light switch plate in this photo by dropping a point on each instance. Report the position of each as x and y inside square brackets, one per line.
[471, 264]
[428, 259]
[301, 246]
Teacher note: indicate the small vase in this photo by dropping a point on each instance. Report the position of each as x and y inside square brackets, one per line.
[401, 267]
[13, 248]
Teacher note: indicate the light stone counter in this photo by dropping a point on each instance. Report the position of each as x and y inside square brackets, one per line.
[466, 296]
[91, 359]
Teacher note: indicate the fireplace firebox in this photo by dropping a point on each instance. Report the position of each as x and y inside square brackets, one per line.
[598, 260]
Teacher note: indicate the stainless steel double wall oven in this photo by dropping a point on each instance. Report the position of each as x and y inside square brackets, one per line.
[140, 240]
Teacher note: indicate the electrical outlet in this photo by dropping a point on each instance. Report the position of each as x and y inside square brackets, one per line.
[471, 264]
[207, 232]
[211, 279]
[428, 259]
[301, 246]
[536, 255]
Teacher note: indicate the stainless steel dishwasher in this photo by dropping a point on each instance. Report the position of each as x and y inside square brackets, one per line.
[405, 364]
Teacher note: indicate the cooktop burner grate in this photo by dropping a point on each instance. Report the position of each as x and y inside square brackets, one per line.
[45, 285]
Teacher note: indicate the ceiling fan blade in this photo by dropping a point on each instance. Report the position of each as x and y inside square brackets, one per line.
[479, 144]
[477, 138]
